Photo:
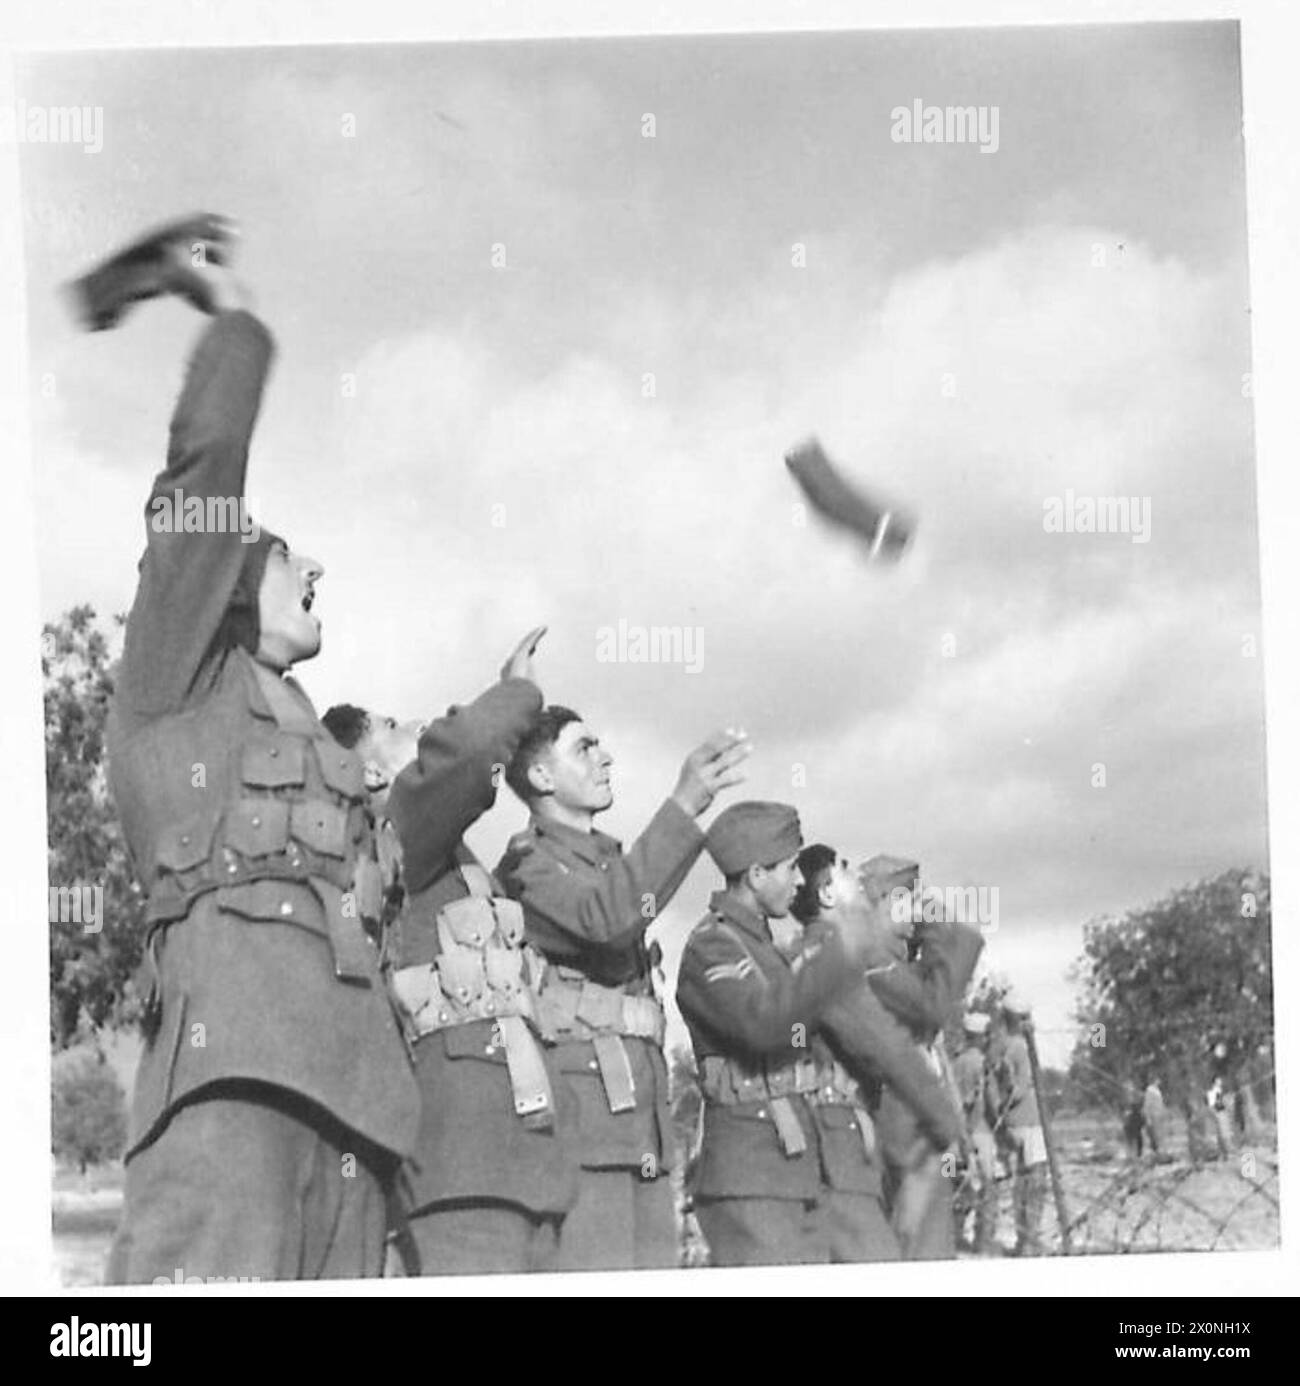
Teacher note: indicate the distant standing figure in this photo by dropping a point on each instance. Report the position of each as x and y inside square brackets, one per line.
[1216, 1102]
[1153, 1116]
[1022, 1126]
[1133, 1121]
[970, 1072]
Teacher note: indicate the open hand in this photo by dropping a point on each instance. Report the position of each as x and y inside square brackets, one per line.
[519, 663]
[711, 768]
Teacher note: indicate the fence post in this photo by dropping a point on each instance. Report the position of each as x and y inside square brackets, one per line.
[1058, 1191]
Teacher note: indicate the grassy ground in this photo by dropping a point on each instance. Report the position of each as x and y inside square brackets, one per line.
[1167, 1202]
[1115, 1205]
[86, 1209]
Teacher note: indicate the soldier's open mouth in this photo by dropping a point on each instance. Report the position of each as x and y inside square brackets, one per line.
[308, 598]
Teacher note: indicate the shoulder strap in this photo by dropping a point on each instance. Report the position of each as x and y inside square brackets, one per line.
[731, 931]
[287, 702]
[476, 880]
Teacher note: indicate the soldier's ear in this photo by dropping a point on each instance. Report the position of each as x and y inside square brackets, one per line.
[539, 778]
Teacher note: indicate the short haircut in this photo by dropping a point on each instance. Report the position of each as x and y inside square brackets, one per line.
[539, 738]
[815, 862]
[347, 724]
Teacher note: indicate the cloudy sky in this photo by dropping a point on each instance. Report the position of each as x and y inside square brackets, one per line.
[472, 447]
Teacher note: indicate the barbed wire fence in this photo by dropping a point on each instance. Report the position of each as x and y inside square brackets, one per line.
[1227, 1205]
[1193, 1193]
[1198, 1190]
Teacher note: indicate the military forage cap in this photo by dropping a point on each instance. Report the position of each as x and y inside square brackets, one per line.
[241, 620]
[883, 873]
[1015, 1004]
[753, 834]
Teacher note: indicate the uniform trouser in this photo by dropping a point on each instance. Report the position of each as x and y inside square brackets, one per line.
[247, 1180]
[980, 1190]
[483, 1236]
[933, 1238]
[835, 1227]
[1029, 1192]
[620, 1222]
[1030, 1196]
[761, 1231]
[1134, 1128]
[984, 1197]
[929, 1189]
[857, 1228]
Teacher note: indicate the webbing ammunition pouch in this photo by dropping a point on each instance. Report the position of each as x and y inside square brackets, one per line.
[294, 820]
[483, 971]
[841, 1090]
[727, 1082]
[573, 1009]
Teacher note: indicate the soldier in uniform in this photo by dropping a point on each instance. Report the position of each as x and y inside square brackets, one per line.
[784, 1172]
[1133, 1120]
[970, 1073]
[872, 1045]
[931, 965]
[385, 746]
[274, 1095]
[1021, 1125]
[1153, 1115]
[1144, 1111]
[492, 1177]
[918, 975]
[1216, 1102]
[586, 907]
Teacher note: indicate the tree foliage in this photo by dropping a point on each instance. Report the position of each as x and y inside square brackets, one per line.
[90, 972]
[88, 1116]
[1178, 991]
[685, 1100]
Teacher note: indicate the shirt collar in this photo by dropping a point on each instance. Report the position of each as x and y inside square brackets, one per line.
[592, 847]
[724, 903]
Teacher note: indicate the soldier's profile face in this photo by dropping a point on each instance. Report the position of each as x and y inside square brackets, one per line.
[775, 886]
[578, 767]
[290, 629]
[899, 910]
[389, 744]
[840, 885]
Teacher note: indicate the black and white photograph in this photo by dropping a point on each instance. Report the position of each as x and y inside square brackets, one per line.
[652, 655]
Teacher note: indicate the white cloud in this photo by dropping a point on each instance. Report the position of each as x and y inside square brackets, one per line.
[473, 488]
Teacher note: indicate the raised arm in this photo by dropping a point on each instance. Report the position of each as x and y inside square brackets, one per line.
[601, 921]
[875, 1044]
[923, 994]
[187, 579]
[453, 779]
[723, 990]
